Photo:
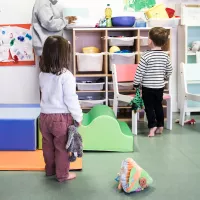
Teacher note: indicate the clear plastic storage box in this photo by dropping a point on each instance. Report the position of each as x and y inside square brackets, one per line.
[90, 86]
[91, 103]
[121, 41]
[89, 62]
[170, 22]
[121, 58]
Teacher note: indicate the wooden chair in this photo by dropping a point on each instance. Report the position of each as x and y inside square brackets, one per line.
[126, 73]
[189, 75]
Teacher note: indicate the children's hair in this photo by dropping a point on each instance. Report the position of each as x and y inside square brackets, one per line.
[159, 36]
[56, 55]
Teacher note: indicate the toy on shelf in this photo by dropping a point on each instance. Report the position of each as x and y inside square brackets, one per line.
[195, 46]
[190, 121]
[91, 50]
[132, 177]
[114, 49]
[170, 12]
[158, 11]
[101, 131]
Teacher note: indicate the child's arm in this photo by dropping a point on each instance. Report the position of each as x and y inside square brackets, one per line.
[71, 98]
[140, 72]
[169, 69]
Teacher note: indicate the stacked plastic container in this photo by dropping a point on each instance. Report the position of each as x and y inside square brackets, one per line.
[121, 58]
[91, 86]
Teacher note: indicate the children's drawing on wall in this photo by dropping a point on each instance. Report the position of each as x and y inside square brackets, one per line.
[138, 5]
[15, 44]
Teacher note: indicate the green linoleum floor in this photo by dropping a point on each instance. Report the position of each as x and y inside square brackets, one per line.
[173, 160]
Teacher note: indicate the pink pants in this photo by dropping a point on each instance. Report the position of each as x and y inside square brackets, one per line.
[54, 132]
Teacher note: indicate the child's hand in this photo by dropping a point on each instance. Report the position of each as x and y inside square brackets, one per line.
[135, 87]
[79, 124]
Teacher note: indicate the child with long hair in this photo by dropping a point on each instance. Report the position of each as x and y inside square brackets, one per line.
[59, 106]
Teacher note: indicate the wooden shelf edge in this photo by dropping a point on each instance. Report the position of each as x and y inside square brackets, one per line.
[90, 75]
[90, 91]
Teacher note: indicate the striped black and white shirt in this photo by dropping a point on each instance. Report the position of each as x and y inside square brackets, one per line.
[154, 67]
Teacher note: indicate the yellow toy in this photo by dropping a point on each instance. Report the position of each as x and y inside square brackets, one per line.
[114, 49]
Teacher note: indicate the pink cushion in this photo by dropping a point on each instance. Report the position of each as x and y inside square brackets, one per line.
[166, 96]
[126, 73]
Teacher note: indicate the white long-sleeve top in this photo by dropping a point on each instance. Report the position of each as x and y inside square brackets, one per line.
[59, 94]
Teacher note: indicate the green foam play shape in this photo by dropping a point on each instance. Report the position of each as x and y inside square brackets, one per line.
[101, 131]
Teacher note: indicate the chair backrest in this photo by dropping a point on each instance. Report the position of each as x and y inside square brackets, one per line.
[192, 72]
[122, 73]
[189, 74]
[125, 73]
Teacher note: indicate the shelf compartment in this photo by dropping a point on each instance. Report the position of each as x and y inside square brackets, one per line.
[90, 39]
[90, 75]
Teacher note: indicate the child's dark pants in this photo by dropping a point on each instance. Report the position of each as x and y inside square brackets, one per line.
[153, 106]
[54, 132]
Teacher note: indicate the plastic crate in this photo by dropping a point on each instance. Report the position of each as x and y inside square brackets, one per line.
[121, 59]
[121, 41]
[91, 103]
[90, 86]
[121, 86]
[89, 62]
[170, 22]
[120, 103]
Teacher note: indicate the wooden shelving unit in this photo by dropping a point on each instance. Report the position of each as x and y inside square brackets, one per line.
[84, 37]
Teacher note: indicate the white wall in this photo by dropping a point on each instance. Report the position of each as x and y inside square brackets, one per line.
[19, 84]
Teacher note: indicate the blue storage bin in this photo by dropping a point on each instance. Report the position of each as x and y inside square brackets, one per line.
[140, 23]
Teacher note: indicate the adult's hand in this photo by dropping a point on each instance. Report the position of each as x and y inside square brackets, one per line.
[71, 19]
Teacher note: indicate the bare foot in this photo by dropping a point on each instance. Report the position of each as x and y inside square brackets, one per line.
[159, 130]
[70, 177]
[152, 132]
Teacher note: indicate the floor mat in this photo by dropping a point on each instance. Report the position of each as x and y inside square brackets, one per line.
[27, 161]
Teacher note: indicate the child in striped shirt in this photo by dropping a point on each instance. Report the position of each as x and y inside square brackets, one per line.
[154, 68]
